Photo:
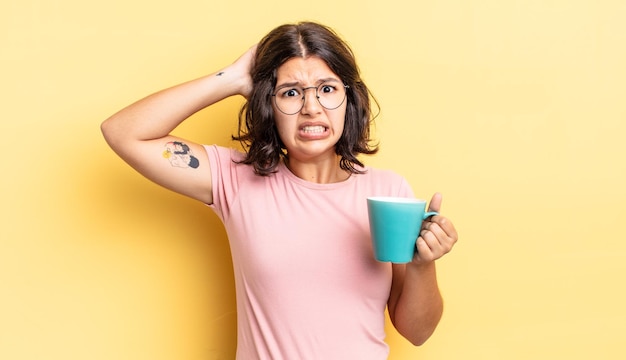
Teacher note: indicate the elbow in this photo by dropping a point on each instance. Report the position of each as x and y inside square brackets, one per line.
[419, 339]
[111, 132]
[107, 130]
[418, 330]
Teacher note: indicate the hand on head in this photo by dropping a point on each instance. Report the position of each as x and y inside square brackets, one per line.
[242, 68]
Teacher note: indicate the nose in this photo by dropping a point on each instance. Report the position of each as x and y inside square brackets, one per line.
[310, 104]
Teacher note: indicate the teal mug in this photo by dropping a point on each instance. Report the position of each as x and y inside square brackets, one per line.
[395, 224]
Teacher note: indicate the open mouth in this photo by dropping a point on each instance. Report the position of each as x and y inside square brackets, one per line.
[317, 129]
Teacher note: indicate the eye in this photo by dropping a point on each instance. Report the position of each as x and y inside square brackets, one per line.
[325, 88]
[289, 93]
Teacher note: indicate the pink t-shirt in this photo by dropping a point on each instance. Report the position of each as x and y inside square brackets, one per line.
[307, 283]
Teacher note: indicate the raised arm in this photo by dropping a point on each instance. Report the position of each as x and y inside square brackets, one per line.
[140, 133]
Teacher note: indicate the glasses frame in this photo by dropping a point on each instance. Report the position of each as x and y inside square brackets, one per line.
[345, 96]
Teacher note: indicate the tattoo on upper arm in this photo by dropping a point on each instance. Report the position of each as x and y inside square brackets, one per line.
[179, 155]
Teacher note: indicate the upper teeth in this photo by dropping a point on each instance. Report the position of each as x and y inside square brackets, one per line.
[313, 129]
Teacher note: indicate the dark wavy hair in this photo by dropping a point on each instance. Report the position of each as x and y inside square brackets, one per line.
[257, 128]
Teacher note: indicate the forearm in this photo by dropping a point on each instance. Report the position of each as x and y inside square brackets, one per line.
[158, 114]
[420, 305]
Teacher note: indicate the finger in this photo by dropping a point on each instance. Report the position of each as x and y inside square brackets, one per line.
[423, 250]
[435, 202]
[446, 238]
[430, 248]
[438, 232]
[426, 223]
[438, 242]
[446, 225]
[431, 240]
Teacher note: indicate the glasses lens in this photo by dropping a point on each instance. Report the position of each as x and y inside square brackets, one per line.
[291, 100]
[331, 96]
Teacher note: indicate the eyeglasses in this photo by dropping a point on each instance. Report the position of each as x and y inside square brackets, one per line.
[289, 100]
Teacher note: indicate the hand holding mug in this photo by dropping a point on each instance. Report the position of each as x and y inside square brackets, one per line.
[403, 231]
[437, 236]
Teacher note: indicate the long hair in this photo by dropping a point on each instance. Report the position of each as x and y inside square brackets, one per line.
[257, 129]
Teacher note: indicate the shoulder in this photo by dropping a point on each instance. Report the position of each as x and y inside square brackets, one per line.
[384, 182]
[382, 174]
[226, 164]
[220, 152]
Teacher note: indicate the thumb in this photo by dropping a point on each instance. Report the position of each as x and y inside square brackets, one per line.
[435, 202]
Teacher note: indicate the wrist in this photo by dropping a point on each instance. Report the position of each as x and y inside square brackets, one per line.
[236, 79]
[421, 267]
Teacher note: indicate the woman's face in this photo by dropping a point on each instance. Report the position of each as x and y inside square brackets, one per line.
[312, 132]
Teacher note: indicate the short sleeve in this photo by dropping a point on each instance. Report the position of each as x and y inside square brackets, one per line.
[225, 177]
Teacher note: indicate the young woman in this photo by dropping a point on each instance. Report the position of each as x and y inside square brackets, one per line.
[294, 203]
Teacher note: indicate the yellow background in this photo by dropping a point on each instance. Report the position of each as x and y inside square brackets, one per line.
[514, 110]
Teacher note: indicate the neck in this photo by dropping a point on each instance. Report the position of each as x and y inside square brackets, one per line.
[321, 172]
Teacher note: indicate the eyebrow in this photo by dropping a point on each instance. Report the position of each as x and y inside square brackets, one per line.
[297, 83]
